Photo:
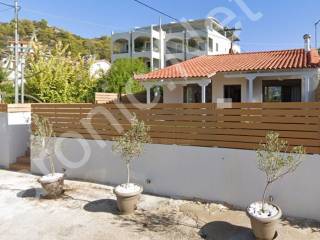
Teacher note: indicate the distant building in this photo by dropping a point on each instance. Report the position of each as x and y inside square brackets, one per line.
[174, 42]
[99, 67]
[7, 62]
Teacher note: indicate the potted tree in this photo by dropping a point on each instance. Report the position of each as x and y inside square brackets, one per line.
[275, 161]
[130, 146]
[53, 182]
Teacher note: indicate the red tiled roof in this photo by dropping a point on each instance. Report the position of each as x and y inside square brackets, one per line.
[206, 66]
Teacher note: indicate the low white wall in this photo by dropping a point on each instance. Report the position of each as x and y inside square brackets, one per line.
[14, 136]
[216, 174]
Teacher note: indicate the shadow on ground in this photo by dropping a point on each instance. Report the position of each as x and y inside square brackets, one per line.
[102, 205]
[152, 221]
[31, 193]
[314, 226]
[225, 231]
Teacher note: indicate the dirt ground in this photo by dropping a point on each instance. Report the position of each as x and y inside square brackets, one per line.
[88, 211]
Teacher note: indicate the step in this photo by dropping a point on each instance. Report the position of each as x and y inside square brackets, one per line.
[27, 153]
[20, 167]
[23, 159]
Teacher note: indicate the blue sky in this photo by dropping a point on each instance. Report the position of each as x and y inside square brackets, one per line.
[282, 25]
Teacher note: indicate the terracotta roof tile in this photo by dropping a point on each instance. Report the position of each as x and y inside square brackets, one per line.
[205, 66]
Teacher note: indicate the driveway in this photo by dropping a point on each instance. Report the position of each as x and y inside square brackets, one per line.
[88, 211]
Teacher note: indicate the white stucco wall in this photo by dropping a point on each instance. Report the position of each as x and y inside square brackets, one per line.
[14, 137]
[173, 94]
[216, 174]
[219, 81]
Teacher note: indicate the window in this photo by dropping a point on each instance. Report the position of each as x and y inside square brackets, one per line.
[233, 92]
[217, 47]
[281, 91]
[210, 45]
[192, 93]
[209, 93]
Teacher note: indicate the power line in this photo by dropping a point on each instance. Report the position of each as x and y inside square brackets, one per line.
[156, 10]
[6, 4]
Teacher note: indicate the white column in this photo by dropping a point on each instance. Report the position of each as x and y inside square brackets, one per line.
[148, 87]
[306, 80]
[250, 88]
[203, 86]
[148, 95]
[151, 48]
[203, 93]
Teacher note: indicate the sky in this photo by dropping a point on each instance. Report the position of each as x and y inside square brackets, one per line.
[265, 24]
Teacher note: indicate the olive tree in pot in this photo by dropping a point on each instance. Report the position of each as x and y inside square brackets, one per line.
[53, 182]
[275, 161]
[130, 146]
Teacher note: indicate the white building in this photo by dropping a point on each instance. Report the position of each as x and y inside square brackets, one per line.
[269, 76]
[8, 61]
[174, 42]
[99, 67]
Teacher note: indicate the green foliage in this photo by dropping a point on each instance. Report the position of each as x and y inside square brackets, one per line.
[275, 160]
[55, 76]
[6, 86]
[43, 137]
[131, 144]
[100, 47]
[119, 79]
[3, 75]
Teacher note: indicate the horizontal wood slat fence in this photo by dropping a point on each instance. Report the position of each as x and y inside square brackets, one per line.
[3, 107]
[242, 126]
[105, 97]
[14, 108]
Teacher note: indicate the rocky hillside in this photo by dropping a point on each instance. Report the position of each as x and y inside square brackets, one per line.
[49, 35]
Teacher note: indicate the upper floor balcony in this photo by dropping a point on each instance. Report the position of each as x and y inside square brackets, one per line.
[120, 46]
[196, 44]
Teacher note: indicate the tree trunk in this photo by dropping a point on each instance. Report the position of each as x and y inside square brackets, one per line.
[128, 173]
[52, 168]
[264, 196]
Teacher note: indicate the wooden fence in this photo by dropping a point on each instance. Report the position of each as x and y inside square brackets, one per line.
[13, 108]
[101, 97]
[243, 126]
[3, 107]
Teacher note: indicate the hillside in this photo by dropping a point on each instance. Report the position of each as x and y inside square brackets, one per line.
[49, 35]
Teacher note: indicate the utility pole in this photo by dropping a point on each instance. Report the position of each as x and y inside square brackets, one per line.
[16, 51]
[23, 63]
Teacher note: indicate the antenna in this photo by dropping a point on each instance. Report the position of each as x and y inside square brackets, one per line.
[232, 30]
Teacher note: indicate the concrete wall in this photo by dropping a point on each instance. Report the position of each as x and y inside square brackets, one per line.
[216, 174]
[14, 136]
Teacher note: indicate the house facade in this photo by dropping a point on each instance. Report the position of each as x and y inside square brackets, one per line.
[168, 44]
[270, 76]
